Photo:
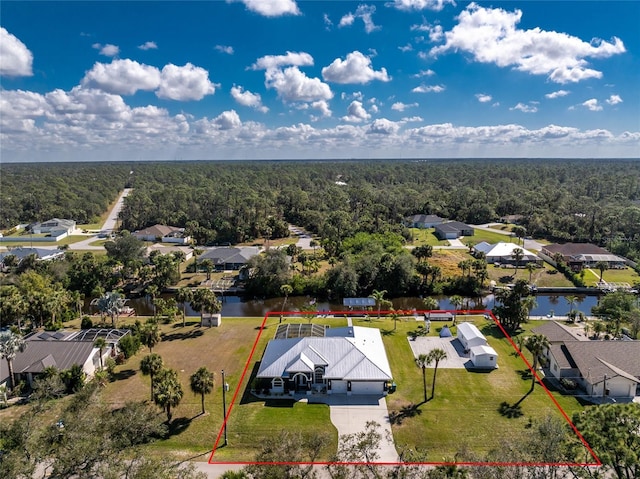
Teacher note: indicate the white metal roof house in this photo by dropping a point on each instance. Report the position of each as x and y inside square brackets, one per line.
[54, 225]
[349, 360]
[503, 253]
[469, 335]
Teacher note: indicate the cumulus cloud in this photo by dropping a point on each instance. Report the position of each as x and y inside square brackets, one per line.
[413, 119]
[356, 113]
[15, 58]
[428, 89]
[227, 120]
[491, 35]
[277, 61]
[424, 73]
[592, 105]
[184, 83]
[406, 48]
[363, 12]
[435, 32]
[327, 21]
[399, 106]
[293, 85]
[523, 107]
[410, 5]
[557, 94]
[224, 49]
[356, 68]
[122, 77]
[107, 50]
[483, 98]
[614, 100]
[382, 126]
[148, 46]
[246, 98]
[322, 106]
[271, 8]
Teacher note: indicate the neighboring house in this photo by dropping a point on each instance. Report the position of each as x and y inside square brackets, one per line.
[453, 230]
[53, 226]
[599, 368]
[502, 253]
[423, 221]
[163, 233]
[439, 316]
[349, 360]
[61, 349]
[226, 258]
[188, 252]
[583, 255]
[514, 219]
[42, 254]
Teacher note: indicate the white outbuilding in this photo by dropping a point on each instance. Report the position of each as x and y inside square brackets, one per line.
[469, 335]
[483, 357]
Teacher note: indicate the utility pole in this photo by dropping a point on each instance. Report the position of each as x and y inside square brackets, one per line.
[224, 407]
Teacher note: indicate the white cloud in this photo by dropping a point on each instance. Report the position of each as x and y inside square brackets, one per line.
[107, 50]
[293, 85]
[184, 83]
[271, 8]
[123, 77]
[413, 119]
[148, 46]
[356, 113]
[435, 31]
[428, 89]
[424, 73]
[15, 58]
[277, 61]
[399, 106]
[355, 69]
[224, 49]
[327, 21]
[227, 120]
[363, 12]
[614, 100]
[322, 106]
[525, 108]
[382, 126]
[592, 105]
[407, 48]
[246, 98]
[557, 94]
[483, 98]
[492, 36]
[409, 5]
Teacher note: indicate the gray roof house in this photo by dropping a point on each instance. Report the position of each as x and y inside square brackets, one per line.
[453, 230]
[54, 225]
[349, 360]
[61, 349]
[166, 234]
[42, 254]
[583, 255]
[229, 258]
[423, 221]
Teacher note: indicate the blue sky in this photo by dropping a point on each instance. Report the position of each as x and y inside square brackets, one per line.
[318, 79]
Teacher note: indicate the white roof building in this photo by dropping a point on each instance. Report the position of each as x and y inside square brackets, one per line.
[503, 253]
[469, 335]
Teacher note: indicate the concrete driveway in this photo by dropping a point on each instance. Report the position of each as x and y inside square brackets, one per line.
[350, 414]
[456, 357]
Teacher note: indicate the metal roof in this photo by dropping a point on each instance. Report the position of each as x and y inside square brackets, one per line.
[358, 302]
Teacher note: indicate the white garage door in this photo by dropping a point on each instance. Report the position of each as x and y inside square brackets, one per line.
[338, 386]
[365, 387]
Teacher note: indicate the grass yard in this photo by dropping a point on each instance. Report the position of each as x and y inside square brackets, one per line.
[627, 275]
[423, 236]
[547, 276]
[465, 411]
[489, 236]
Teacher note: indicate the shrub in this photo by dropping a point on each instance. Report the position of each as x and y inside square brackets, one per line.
[568, 383]
[86, 323]
[129, 345]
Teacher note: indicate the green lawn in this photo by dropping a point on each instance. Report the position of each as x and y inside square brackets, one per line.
[627, 275]
[547, 276]
[489, 236]
[423, 236]
[465, 411]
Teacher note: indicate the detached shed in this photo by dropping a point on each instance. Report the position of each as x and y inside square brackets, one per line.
[445, 332]
[470, 336]
[483, 357]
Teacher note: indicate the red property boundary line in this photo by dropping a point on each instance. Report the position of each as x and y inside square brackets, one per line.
[596, 460]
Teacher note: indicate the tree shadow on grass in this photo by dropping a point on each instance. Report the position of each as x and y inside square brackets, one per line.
[124, 374]
[387, 332]
[195, 333]
[408, 411]
[178, 425]
[513, 410]
[247, 397]
[186, 324]
[525, 374]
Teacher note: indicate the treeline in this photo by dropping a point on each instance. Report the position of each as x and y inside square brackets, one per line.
[219, 202]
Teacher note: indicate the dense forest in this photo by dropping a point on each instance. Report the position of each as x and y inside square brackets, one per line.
[230, 202]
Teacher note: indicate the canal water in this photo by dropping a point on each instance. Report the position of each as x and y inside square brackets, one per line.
[240, 306]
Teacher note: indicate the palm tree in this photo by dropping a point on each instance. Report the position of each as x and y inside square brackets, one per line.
[571, 300]
[183, 296]
[456, 301]
[435, 355]
[10, 345]
[151, 365]
[202, 382]
[150, 336]
[536, 344]
[152, 291]
[394, 315]
[205, 300]
[529, 303]
[598, 328]
[379, 298]
[430, 303]
[602, 266]
[100, 343]
[530, 267]
[517, 254]
[207, 264]
[422, 362]
[167, 390]
[110, 304]
[286, 290]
